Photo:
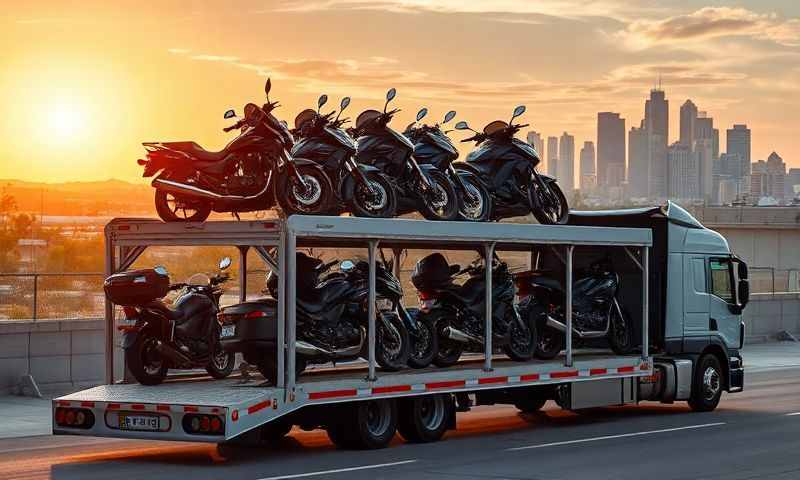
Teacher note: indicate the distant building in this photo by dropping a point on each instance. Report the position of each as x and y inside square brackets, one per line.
[767, 179]
[552, 156]
[656, 122]
[588, 172]
[688, 117]
[535, 139]
[566, 162]
[638, 162]
[683, 172]
[610, 146]
[738, 143]
[792, 186]
[727, 191]
[704, 159]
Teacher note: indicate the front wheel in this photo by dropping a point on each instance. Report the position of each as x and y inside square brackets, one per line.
[449, 350]
[144, 361]
[176, 209]
[620, 336]
[374, 199]
[312, 197]
[440, 202]
[392, 346]
[474, 200]
[548, 344]
[548, 203]
[522, 344]
[707, 385]
[425, 344]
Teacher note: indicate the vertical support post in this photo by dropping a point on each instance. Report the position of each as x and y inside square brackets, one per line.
[371, 310]
[487, 333]
[291, 310]
[281, 334]
[396, 253]
[35, 295]
[645, 303]
[568, 303]
[109, 311]
[243, 272]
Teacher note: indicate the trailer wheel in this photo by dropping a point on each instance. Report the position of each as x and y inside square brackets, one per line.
[275, 430]
[367, 425]
[424, 419]
[707, 384]
[530, 400]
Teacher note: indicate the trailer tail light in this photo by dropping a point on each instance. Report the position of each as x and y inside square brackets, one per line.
[198, 424]
[74, 418]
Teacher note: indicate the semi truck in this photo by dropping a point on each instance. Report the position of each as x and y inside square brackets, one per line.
[684, 292]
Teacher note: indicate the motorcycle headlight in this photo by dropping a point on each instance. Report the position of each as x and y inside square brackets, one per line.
[384, 304]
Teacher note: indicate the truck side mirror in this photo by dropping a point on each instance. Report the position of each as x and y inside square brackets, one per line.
[743, 274]
[744, 292]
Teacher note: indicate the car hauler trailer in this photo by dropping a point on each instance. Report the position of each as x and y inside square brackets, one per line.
[361, 407]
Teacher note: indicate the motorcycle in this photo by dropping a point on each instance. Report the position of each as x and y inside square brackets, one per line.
[458, 311]
[420, 188]
[433, 147]
[157, 337]
[507, 166]
[247, 175]
[361, 189]
[331, 319]
[596, 312]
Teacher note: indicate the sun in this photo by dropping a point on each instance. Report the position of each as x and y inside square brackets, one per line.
[66, 122]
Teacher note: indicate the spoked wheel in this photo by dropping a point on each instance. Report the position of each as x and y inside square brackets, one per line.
[175, 209]
[474, 204]
[425, 344]
[549, 343]
[392, 346]
[620, 336]
[376, 199]
[144, 361]
[221, 364]
[424, 419]
[548, 203]
[440, 202]
[311, 197]
[522, 345]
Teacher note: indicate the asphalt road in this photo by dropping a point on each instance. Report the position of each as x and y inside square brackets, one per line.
[754, 434]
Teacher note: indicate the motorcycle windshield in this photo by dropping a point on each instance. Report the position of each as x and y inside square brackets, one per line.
[526, 149]
[441, 141]
[342, 137]
[486, 152]
[400, 138]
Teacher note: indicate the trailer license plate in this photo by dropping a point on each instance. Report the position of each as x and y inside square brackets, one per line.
[138, 422]
[228, 331]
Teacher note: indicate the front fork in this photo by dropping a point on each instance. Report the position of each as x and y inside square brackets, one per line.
[289, 162]
[460, 183]
[356, 172]
[426, 184]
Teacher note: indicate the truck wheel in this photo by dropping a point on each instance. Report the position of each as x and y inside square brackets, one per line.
[367, 425]
[144, 362]
[530, 400]
[707, 384]
[424, 419]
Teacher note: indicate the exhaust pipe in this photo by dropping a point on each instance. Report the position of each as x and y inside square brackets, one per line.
[555, 324]
[173, 187]
[310, 350]
[459, 336]
[177, 358]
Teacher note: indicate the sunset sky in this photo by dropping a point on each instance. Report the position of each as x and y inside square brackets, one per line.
[83, 83]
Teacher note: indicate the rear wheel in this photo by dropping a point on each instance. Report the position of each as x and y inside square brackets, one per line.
[440, 202]
[221, 364]
[424, 419]
[144, 362]
[313, 198]
[176, 209]
[449, 350]
[474, 204]
[549, 343]
[375, 199]
[548, 203]
[365, 425]
[707, 385]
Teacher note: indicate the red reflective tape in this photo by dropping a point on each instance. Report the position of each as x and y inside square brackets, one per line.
[113, 406]
[87, 404]
[333, 394]
[235, 415]
[162, 408]
[394, 389]
[529, 378]
[624, 369]
[598, 371]
[484, 381]
[450, 384]
[63, 403]
[258, 406]
[567, 374]
[137, 406]
[190, 409]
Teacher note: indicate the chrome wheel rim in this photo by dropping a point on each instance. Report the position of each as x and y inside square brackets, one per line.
[472, 208]
[173, 204]
[220, 360]
[390, 341]
[439, 198]
[375, 200]
[151, 361]
[711, 383]
[378, 418]
[432, 411]
[422, 343]
[309, 196]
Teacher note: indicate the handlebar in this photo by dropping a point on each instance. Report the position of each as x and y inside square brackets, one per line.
[326, 266]
[235, 126]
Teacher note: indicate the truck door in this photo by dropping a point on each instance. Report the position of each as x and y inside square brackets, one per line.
[696, 302]
[722, 301]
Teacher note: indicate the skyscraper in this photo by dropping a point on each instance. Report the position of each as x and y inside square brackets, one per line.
[683, 172]
[610, 146]
[656, 121]
[688, 117]
[552, 156]
[638, 162]
[535, 139]
[704, 160]
[566, 162]
[768, 178]
[588, 173]
[738, 142]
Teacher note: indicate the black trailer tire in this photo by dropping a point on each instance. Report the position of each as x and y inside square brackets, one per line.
[339, 435]
[707, 385]
[169, 214]
[425, 345]
[425, 418]
[530, 399]
[141, 361]
[366, 425]
[274, 431]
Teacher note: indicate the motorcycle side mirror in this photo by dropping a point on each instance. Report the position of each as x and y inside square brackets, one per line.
[268, 86]
[347, 266]
[323, 99]
[462, 125]
[161, 270]
[344, 104]
[517, 112]
[229, 114]
[421, 114]
[389, 97]
[225, 263]
[449, 116]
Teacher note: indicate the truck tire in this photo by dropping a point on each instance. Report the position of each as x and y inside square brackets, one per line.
[707, 384]
[367, 425]
[274, 431]
[424, 419]
[530, 400]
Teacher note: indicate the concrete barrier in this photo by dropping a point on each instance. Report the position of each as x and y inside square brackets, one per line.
[769, 314]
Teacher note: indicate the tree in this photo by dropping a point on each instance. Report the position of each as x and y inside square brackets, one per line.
[8, 204]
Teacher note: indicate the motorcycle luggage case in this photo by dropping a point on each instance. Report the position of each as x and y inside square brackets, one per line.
[136, 287]
[431, 272]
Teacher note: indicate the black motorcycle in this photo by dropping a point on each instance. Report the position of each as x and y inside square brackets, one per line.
[432, 146]
[596, 312]
[157, 337]
[420, 188]
[331, 319]
[247, 175]
[361, 189]
[507, 166]
[458, 311]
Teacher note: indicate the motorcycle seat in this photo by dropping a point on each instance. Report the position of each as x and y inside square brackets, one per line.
[197, 152]
[547, 282]
[319, 299]
[172, 313]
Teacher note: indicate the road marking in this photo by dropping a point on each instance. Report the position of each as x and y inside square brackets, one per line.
[609, 437]
[339, 470]
[792, 414]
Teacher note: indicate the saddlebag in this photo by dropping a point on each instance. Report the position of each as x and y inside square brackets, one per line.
[136, 287]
